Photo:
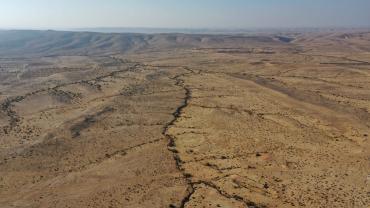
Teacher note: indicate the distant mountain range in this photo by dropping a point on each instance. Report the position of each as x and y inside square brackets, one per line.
[54, 43]
[50, 43]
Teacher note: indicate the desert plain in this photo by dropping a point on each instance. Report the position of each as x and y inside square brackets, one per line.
[277, 119]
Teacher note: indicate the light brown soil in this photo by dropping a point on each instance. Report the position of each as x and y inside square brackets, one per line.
[276, 124]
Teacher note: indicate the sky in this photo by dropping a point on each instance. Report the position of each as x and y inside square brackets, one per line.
[227, 14]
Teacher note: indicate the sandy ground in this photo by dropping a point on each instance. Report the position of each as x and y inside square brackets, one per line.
[281, 125]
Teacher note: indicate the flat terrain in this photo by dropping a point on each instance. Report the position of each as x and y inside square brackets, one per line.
[173, 120]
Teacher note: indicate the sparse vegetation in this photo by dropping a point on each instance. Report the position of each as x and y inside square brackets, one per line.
[175, 120]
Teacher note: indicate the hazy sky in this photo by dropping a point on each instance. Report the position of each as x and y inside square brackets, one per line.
[55, 14]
